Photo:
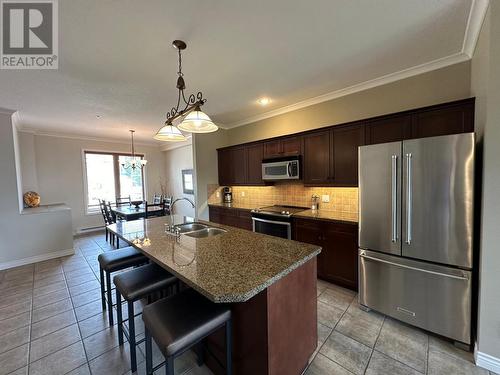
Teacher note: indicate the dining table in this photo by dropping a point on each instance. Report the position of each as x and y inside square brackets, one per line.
[131, 212]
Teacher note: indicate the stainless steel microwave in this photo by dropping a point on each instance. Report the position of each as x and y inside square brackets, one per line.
[281, 169]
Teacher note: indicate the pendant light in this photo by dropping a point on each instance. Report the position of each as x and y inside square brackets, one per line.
[194, 120]
[135, 162]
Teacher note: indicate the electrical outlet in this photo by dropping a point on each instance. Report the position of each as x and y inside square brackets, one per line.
[242, 193]
[325, 198]
[217, 194]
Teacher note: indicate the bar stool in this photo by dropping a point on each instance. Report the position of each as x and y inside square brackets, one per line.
[180, 322]
[134, 285]
[112, 261]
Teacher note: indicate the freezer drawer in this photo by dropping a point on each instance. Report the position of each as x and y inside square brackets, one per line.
[435, 298]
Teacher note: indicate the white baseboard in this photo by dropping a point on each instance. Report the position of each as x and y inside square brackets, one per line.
[36, 258]
[488, 362]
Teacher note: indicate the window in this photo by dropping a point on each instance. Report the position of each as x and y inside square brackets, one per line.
[187, 181]
[107, 179]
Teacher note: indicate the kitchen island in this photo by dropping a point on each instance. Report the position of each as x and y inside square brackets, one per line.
[270, 283]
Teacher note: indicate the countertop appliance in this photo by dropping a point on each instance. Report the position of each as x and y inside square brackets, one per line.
[416, 201]
[275, 220]
[227, 193]
[281, 169]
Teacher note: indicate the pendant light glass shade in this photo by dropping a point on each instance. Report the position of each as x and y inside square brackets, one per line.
[198, 122]
[169, 133]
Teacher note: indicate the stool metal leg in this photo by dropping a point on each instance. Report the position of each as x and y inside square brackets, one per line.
[119, 316]
[109, 297]
[131, 334]
[169, 366]
[149, 353]
[229, 348]
[103, 290]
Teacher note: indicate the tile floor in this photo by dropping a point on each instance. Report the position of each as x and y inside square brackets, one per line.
[51, 322]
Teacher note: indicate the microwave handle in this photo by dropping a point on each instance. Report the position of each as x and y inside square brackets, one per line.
[289, 169]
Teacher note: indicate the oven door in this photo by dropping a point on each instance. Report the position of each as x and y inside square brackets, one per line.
[272, 227]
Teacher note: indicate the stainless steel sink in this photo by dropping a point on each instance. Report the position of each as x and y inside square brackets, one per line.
[206, 232]
[190, 227]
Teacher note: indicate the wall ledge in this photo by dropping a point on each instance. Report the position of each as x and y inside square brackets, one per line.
[47, 208]
[36, 258]
[488, 362]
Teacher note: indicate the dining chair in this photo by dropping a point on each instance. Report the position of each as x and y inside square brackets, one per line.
[168, 202]
[154, 210]
[123, 201]
[157, 198]
[109, 219]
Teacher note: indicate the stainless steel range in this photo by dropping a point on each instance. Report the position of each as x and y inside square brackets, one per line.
[275, 220]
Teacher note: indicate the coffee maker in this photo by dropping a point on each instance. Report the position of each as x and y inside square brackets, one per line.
[227, 194]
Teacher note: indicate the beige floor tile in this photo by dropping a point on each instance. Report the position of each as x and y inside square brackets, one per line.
[101, 342]
[443, 364]
[337, 297]
[54, 342]
[114, 362]
[328, 315]
[88, 310]
[13, 310]
[86, 297]
[61, 362]
[14, 359]
[323, 333]
[380, 364]
[14, 339]
[322, 365]
[94, 324]
[347, 352]
[52, 324]
[404, 344]
[54, 287]
[52, 309]
[18, 321]
[40, 301]
[360, 325]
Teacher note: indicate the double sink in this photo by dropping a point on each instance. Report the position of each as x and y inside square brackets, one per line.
[198, 230]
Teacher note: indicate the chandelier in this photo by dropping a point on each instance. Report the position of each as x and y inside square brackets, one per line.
[194, 120]
[136, 162]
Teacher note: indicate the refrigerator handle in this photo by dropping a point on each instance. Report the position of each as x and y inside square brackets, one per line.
[394, 198]
[409, 202]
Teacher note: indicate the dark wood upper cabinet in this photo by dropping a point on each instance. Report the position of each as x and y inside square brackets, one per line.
[288, 146]
[330, 155]
[255, 155]
[346, 140]
[388, 129]
[443, 120]
[317, 166]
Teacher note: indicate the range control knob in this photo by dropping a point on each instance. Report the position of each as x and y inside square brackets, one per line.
[283, 212]
[287, 212]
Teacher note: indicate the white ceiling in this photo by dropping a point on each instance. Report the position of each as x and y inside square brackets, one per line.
[116, 61]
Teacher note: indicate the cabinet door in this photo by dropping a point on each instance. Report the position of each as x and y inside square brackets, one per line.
[238, 163]
[224, 167]
[443, 121]
[254, 164]
[390, 129]
[340, 259]
[310, 231]
[245, 220]
[272, 149]
[346, 140]
[214, 215]
[291, 146]
[317, 159]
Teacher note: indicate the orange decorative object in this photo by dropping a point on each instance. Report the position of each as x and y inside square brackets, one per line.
[31, 199]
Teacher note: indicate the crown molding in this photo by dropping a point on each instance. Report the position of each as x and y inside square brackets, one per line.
[83, 137]
[174, 145]
[388, 78]
[475, 21]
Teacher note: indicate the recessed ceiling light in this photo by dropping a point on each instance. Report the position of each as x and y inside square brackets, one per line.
[98, 116]
[264, 101]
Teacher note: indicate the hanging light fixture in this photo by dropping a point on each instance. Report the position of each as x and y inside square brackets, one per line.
[194, 120]
[135, 162]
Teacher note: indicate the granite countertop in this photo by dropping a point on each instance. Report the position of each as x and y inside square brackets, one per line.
[230, 267]
[240, 206]
[328, 215]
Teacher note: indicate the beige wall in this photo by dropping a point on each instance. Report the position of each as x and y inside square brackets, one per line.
[177, 160]
[439, 86]
[486, 78]
[60, 171]
[205, 165]
[25, 237]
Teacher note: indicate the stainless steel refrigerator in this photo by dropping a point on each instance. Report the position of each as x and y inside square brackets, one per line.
[416, 201]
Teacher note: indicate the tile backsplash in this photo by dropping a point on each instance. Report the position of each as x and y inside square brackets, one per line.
[290, 193]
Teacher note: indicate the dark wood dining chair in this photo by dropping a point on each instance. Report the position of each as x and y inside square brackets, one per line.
[123, 201]
[154, 210]
[157, 198]
[108, 218]
[168, 202]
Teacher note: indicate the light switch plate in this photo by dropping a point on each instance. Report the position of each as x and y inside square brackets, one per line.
[325, 198]
[217, 194]
[242, 193]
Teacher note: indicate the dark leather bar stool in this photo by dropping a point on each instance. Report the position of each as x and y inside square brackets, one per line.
[179, 323]
[141, 282]
[112, 261]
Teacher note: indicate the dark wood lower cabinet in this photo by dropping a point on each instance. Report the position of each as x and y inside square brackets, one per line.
[234, 217]
[338, 261]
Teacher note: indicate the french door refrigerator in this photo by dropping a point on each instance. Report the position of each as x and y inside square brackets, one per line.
[416, 232]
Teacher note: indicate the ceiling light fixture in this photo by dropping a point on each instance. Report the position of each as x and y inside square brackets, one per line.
[264, 101]
[135, 162]
[194, 120]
